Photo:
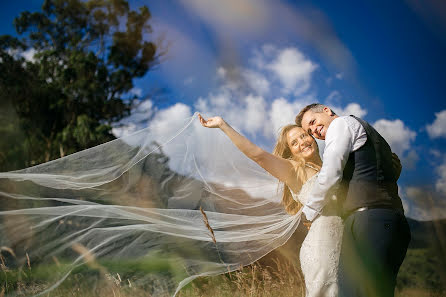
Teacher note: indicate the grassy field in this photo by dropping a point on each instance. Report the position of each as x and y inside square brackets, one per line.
[423, 274]
[419, 276]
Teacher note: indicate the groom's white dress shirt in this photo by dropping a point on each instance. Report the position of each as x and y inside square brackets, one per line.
[344, 135]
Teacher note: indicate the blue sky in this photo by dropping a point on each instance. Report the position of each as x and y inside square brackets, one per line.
[257, 62]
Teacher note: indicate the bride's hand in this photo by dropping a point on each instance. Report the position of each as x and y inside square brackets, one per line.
[215, 122]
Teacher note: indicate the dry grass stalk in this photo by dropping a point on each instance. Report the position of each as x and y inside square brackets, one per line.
[286, 267]
[2, 259]
[84, 252]
[28, 261]
[56, 261]
[3, 264]
[206, 222]
[7, 249]
[90, 259]
[254, 278]
[208, 226]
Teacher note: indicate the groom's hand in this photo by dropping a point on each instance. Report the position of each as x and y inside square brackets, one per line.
[305, 221]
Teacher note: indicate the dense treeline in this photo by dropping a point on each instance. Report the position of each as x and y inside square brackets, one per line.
[67, 77]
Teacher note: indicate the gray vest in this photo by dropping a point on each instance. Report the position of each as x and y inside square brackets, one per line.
[369, 179]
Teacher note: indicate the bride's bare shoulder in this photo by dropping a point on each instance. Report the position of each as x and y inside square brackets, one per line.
[299, 176]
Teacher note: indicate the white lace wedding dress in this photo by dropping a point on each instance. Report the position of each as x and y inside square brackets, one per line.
[319, 254]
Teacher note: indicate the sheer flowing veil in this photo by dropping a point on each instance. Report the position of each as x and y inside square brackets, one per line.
[160, 207]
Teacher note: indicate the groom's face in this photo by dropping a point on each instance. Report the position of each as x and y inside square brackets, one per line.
[316, 123]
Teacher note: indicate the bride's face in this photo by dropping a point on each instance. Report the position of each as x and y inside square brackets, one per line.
[301, 143]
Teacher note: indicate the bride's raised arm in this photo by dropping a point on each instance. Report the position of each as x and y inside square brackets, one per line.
[282, 169]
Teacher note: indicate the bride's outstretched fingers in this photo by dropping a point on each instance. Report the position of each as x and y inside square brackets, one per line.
[202, 121]
[214, 122]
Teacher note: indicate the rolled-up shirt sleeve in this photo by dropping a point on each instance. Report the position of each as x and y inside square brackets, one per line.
[338, 145]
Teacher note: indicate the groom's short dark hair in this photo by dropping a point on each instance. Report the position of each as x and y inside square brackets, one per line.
[314, 107]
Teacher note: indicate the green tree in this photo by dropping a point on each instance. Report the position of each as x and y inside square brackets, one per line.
[86, 56]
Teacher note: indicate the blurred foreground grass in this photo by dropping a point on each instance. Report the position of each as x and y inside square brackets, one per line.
[419, 276]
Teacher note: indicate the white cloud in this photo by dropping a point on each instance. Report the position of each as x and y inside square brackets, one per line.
[422, 203]
[333, 98]
[221, 72]
[411, 205]
[29, 55]
[233, 22]
[163, 123]
[435, 153]
[440, 184]
[243, 98]
[142, 113]
[169, 119]
[254, 114]
[410, 159]
[293, 70]
[281, 113]
[125, 130]
[399, 136]
[220, 100]
[351, 109]
[245, 103]
[244, 112]
[438, 128]
[257, 82]
[144, 110]
[136, 91]
[285, 70]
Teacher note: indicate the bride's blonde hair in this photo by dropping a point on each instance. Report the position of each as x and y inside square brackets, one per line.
[282, 149]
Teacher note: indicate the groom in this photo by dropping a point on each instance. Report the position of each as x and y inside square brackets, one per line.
[357, 162]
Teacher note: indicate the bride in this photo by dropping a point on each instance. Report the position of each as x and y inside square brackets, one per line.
[151, 210]
[296, 163]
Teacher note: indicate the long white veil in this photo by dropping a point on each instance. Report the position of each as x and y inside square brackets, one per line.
[160, 207]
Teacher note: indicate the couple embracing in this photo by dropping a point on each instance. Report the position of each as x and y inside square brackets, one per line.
[358, 234]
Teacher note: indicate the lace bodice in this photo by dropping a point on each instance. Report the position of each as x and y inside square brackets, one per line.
[319, 254]
[303, 195]
[330, 209]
